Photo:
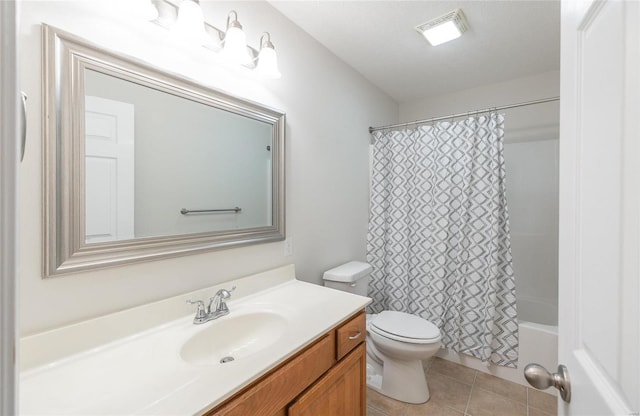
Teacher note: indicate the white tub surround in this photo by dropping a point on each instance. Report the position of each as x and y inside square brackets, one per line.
[135, 366]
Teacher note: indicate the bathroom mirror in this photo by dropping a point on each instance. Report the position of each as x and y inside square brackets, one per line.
[141, 164]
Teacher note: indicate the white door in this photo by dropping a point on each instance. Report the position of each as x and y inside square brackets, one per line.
[599, 339]
[109, 170]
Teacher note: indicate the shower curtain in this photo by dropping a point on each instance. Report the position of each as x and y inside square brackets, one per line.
[438, 235]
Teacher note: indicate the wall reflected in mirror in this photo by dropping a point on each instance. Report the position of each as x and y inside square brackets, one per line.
[150, 155]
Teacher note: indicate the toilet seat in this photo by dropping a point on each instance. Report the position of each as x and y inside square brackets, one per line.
[404, 327]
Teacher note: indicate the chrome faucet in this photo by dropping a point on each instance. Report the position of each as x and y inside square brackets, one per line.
[217, 306]
[218, 303]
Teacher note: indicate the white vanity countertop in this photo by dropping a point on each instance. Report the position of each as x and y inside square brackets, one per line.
[144, 374]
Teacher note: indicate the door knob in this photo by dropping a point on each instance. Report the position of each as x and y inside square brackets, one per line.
[541, 379]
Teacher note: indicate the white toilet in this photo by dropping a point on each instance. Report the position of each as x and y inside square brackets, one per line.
[397, 342]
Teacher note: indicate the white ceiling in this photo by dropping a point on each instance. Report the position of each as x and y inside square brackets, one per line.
[506, 40]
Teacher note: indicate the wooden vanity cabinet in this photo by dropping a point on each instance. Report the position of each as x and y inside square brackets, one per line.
[339, 392]
[326, 378]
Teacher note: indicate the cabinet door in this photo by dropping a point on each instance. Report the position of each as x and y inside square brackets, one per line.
[270, 395]
[339, 392]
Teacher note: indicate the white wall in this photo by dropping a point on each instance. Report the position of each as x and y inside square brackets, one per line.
[538, 122]
[328, 107]
[531, 154]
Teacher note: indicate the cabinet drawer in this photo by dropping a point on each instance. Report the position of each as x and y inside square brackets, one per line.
[273, 392]
[350, 334]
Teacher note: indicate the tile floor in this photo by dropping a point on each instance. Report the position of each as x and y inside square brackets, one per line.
[458, 391]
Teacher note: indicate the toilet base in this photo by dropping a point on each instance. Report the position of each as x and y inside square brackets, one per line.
[405, 381]
[400, 380]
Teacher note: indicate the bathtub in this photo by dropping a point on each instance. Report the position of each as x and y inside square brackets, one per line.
[538, 344]
[538, 310]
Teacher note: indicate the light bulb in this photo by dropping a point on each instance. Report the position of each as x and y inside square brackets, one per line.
[235, 43]
[268, 63]
[190, 23]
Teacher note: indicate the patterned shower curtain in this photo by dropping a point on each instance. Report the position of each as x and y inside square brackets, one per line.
[438, 236]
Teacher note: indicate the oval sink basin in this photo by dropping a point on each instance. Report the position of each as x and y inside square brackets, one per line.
[233, 338]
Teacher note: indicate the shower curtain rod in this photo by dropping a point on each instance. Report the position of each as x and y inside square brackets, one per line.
[451, 116]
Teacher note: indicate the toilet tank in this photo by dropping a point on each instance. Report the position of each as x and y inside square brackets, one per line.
[352, 277]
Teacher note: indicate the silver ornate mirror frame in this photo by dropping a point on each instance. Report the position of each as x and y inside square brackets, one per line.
[65, 57]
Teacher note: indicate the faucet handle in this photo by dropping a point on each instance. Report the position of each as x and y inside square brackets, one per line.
[225, 293]
[200, 313]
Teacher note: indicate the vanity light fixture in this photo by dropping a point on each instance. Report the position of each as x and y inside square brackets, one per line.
[187, 21]
[235, 42]
[189, 24]
[445, 28]
[267, 66]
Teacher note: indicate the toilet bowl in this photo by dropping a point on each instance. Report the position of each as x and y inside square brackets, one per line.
[397, 342]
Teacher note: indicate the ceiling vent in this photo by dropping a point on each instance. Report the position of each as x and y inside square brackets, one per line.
[444, 28]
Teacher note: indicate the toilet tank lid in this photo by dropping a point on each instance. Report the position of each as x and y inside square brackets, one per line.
[348, 272]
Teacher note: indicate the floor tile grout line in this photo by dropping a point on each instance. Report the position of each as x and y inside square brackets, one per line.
[371, 404]
[509, 397]
[385, 398]
[456, 378]
[378, 409]
[475, 377]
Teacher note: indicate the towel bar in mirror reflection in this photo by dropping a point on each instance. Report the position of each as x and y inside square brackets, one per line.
[185, 211]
